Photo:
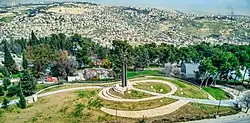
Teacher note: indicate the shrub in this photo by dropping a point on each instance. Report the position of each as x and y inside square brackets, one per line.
[78, 110]
[13, 90]
[5, 102]
[1, 91]
[94, 103]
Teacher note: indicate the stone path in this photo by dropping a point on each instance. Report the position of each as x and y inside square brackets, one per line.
[104, 94]
[147, 113]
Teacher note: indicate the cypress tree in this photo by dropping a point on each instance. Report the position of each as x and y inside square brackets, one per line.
[1, 91]
[25, 62]
[6, 83]
[22, 101]
[28, 83]
[33, 40]
[8, 60]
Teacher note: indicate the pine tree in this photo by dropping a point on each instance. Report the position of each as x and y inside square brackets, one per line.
[8, 60]
[28, 83]
[22, 101]
[25, 62]
[5, 102]
[6, 83]
[1, 91]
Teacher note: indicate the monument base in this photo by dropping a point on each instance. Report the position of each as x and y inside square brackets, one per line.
[119, 89]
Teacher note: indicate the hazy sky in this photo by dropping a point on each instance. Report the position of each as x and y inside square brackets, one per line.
[210, 6]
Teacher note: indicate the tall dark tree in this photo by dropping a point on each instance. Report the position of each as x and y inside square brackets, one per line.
[28, 83]
[33, 39]
[25, 62]
[1, 91]
[22, 102]
[6, 83]
[9, 62]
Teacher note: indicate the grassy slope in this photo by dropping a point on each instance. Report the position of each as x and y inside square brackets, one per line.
[72, 107]
[188, 90]
[217, 93]
[156, 87]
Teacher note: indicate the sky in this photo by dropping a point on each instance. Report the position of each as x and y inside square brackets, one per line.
[240, 7]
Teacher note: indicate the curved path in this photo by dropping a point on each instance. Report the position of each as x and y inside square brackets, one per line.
[147, 113]
[104, 94]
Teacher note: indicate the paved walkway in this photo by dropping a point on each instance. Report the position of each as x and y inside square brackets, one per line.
[104, 94]
[147, 113]
[240, 118]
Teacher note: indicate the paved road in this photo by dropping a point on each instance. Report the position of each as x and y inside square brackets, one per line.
[237, 118]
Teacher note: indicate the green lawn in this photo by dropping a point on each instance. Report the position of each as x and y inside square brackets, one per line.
[153, 87]
[131, 94]
[18, 75]
[135, 106]
[185, 89]
[132, 74]
[217, 93]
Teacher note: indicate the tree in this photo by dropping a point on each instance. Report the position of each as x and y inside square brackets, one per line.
[9, 62]
[141, 57]
[64, 66]
[6, 83]
[41, 56]
[207, 69]
[28, 83]
[22, 101]
[13, 90]
[25, 62]
[1, 91]
[121, 51]
[245, 100]
[83, 54]
[33, 39]
[106, 63]
[5, 102]
[4, 71]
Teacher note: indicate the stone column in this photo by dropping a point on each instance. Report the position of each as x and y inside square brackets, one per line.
[124, 74]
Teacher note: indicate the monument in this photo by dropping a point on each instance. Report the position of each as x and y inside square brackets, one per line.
[124, 85]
